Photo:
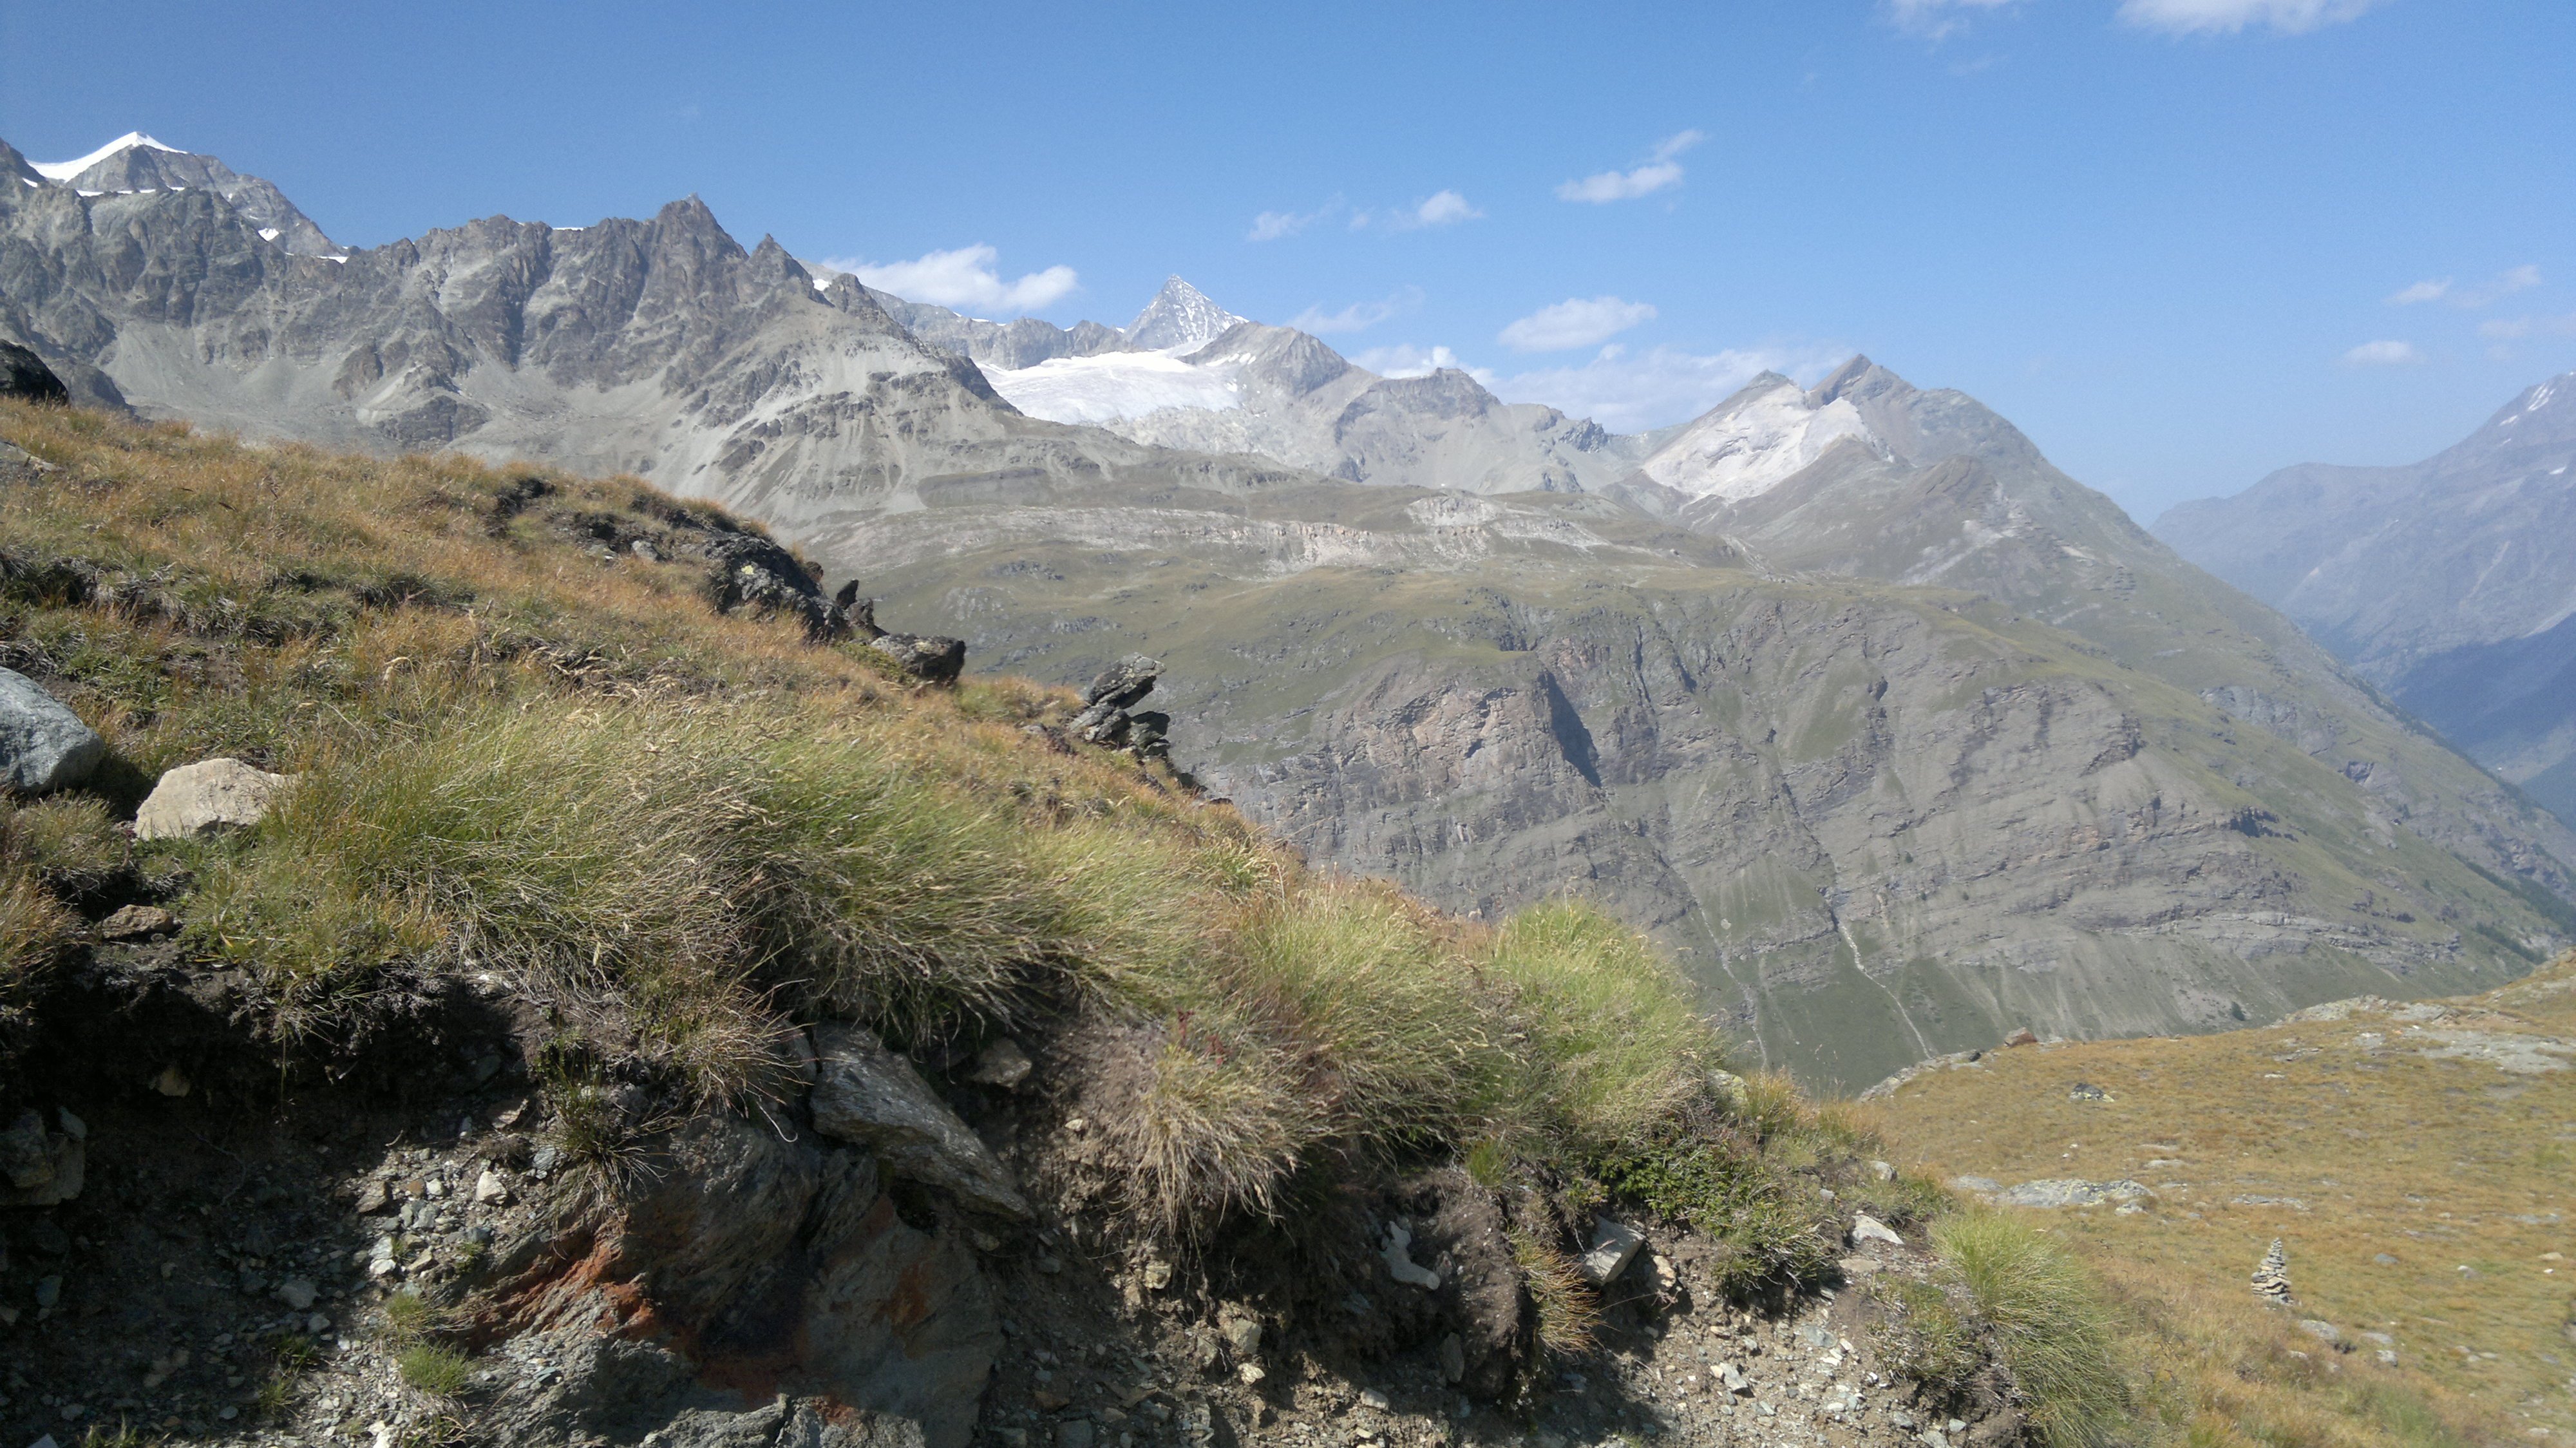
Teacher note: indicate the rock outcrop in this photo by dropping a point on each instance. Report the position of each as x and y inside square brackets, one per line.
[868, 1096]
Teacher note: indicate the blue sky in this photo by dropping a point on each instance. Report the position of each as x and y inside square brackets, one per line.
[2180, 242]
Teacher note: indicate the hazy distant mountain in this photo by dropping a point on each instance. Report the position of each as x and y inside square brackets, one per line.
[1895, 735]
[2450, 583]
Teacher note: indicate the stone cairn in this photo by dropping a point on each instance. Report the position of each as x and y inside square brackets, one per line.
[2272, 1275]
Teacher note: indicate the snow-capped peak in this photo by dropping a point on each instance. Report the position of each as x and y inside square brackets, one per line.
[66, 170]
[1179, 319]
[1755, 440]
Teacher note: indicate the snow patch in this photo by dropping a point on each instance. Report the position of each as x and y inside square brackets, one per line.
[1114, 385]
[268, 233]
[66, 170]
[1754, 442]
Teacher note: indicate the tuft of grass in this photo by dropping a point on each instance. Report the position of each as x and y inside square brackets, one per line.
[1607, 1027]
[440, 1372]
[409, 1316]
[1209, 1130]
[1569, 1311]
[1925, 1338]
[2050, 1321]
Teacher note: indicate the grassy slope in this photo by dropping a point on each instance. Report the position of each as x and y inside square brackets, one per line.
[681, 830]
[2458, 1170]
[681, 833]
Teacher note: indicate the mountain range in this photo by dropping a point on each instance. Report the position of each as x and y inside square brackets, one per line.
[1895, 736]
[2450, 583]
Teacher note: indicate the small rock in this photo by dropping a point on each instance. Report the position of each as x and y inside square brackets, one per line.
[137, 922]
[1240, 1329]
[2021, 1037]
[1732, 1378]
[2387, 1356]
[868, 1096]
[1400, 1265]
[2383, 1259]
[1453, 1358]
[1001, 1064]
[1249, 1374]
[1614, 1246]
[1050, 1265]
[2322, 1331]
[1073, 1433]
[490, 1190]
[172, 1082]
[2086, 1091]
[1866, 1228]
[296, 1293]
[1729, 1088]
[1156, 1275]
[1882, 1171]
[49, 1291]
[43, 744]
[1372, 1398]
[195, 801]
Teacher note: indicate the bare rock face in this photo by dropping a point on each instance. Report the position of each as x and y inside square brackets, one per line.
[43, 744]
[207, 798]
[868, 1096]
[751, 1268]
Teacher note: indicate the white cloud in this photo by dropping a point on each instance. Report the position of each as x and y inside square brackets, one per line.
[1407, 360]
[1574, 322]
[1358, 316]
[2505, 329]
[1272, 225]
[2228, 17]
[1443, 208]
[2382, 354]
[1937, 18]
[1659, 171]
[2485, 294]
[1627, 392]
[963, 279]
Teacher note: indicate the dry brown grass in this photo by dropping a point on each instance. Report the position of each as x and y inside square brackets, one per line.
[2457, 1171]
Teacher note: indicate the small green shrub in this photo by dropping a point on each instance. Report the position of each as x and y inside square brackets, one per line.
[439, 1371]
[2050, 1321]
[1774, 1234]
[408, 1315]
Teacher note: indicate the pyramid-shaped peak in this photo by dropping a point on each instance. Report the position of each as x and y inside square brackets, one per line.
[1858, 379]
[1179, 317]
[66, 170]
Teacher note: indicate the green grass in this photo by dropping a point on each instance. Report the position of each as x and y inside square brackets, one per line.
[438, 1371]
[2050, 1322]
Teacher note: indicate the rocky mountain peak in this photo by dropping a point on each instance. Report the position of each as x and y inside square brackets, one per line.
[1770, 430]
[135, 163]
[1180, 317]
[77, 167]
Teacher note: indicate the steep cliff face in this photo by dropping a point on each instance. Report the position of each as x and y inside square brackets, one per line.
[1874, 823]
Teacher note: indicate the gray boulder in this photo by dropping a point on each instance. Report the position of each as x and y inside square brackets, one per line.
[198, 801]
[43, 745]
[24, 375]
[39, 1168]
[868, 1096]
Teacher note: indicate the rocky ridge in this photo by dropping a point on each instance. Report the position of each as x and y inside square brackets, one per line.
[2444, 582]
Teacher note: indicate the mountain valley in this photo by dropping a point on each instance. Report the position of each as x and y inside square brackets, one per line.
[1895, 736]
